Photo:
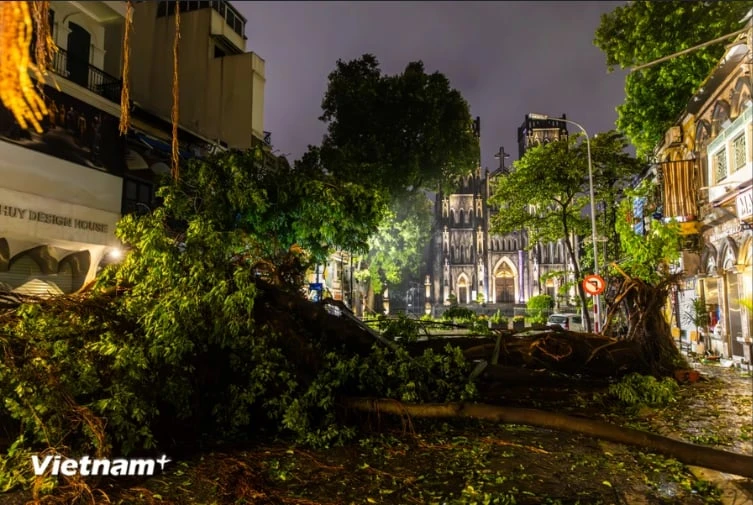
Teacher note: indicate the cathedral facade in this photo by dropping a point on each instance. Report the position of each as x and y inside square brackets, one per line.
[470, 265]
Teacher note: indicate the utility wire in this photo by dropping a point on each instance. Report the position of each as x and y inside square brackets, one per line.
[689, 50]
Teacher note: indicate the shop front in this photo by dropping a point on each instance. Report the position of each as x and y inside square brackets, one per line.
[60, 197]
[50, 246]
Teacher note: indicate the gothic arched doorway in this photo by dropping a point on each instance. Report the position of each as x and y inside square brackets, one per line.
[504, 284]
[463, 290]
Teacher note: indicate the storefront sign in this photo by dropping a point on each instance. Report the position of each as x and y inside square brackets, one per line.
[58, 220]
[744, 203]
[30, 217]
[723, 231]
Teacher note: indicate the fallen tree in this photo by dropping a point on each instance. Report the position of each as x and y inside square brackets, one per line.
[202, 335]
[646, 275]
[552, 349]
[648, 329]
[738, 464]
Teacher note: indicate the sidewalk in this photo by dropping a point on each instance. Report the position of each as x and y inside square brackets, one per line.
[717, 412]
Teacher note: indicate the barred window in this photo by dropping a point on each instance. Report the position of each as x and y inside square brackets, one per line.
[720, 165]
[738, 150]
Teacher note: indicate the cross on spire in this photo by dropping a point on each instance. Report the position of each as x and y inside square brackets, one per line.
[501, 155]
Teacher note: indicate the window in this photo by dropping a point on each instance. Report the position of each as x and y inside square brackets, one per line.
[738, 152]
[720, 165]
[137, 196]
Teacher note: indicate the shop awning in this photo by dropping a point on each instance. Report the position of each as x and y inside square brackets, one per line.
[161, 146]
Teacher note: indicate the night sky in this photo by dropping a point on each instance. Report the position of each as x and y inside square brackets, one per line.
[506, 59]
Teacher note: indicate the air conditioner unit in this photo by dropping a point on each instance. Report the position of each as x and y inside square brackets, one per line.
[673, 136]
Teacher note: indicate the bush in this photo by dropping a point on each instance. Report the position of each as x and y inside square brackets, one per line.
[539, 307]
[639, 390]
[458, 313]
[499, 319]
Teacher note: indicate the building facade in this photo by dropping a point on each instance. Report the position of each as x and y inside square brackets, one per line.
[468, 264]
[63, 190]
[705, 166]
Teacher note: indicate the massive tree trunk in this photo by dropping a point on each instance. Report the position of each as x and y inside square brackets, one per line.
[647, 327]
[690, 454]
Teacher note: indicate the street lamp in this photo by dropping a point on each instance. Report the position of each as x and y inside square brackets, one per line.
[597, 316]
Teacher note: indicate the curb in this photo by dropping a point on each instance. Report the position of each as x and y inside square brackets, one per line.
[732, 487]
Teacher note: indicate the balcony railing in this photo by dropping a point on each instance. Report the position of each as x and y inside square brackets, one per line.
[84, 74]
[232, 17]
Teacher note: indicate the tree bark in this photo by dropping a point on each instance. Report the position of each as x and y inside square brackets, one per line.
[576, 267]
[690, 454]
[648, 328]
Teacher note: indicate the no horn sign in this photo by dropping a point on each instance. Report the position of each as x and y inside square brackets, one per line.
[594, 285]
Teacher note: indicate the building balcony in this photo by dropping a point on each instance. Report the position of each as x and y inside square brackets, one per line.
[86, 75]
[227, 22]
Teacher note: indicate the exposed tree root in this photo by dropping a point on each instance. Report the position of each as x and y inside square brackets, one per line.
[689, 454]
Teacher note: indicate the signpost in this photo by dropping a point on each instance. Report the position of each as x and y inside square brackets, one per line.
[594, 285]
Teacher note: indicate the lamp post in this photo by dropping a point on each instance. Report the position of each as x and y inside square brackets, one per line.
[597, 316]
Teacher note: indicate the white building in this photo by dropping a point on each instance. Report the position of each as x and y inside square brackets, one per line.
[63, 191]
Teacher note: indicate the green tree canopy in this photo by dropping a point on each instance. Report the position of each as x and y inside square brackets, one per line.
[614, 170]
[396, 249]
[646, 257]
[396, 133]
[643, 31]
[545, 194]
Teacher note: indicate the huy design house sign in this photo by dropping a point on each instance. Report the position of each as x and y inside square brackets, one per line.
[32, 217]
[58, 220]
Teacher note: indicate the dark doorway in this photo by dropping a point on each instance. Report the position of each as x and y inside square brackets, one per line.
[79, 46]
[504, 283]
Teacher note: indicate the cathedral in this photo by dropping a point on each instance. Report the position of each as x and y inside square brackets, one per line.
[470, 265]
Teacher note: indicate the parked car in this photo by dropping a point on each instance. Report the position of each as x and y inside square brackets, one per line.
[572, 322]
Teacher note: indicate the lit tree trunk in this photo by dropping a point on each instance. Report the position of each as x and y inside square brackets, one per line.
[576, 268]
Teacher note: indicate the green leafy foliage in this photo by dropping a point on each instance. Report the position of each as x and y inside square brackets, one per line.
[458, 313]
[614, 170]
[545, 194]
[171, 343]
[396, 133]
[431, 377]
[499, 319]
[698, 315]
[644, 390]
[539, 307]
[643, 31]
[395, 250]
[402, 327]
[646, 257]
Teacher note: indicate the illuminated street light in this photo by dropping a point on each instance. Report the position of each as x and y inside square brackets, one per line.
[597, 317]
